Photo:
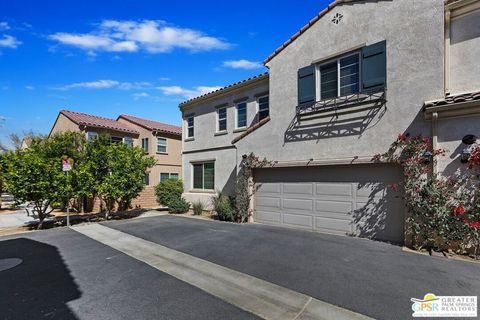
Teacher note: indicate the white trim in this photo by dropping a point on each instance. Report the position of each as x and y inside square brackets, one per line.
[236, 115]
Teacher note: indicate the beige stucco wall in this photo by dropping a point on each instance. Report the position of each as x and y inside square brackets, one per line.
[63, 124]
[465, 52]
[169, 162]
[209, 145]
[413, 31]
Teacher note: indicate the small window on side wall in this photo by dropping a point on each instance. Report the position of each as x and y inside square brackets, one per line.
[146, 178]
[168, 175]
[92, 135]
[263, 107]
[161, 145]
[222, 119]
[128, 141]
[145, 144]
[241, 110]
[190, 127]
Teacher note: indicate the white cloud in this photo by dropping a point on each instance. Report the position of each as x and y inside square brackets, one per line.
[242, 64]
[106, 84]
[148, 35]
[138, 96]
[164, 79]
[9, 42]
[30, 87]
[4, 25]
[187, 93]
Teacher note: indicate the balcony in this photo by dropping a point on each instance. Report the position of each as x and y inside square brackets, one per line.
[357, 102]
[337, 117]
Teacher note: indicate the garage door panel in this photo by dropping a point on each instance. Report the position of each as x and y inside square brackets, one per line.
[268, 217]
[268, 203]
[298, 204]
[298, 220]
[336, 189]
[351, 199]
[343, 226]
[298, 189]
[337, 207]
[273, 188]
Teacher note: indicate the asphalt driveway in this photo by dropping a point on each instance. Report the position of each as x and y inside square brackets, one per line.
[372, 278]
[66, 275]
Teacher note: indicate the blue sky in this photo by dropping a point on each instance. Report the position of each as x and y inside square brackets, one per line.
[134, 57]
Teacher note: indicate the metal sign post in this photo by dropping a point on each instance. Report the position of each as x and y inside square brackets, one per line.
[66, 167]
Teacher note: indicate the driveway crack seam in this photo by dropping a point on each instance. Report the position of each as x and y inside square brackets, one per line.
[303, 309]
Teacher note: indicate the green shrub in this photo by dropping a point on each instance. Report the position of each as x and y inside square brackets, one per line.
[224, 207]
[168, 190]
[178, 205]
[198, 208]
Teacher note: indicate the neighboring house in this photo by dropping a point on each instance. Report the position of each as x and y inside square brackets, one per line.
[339, 92]
[163, 142]
[160, 140]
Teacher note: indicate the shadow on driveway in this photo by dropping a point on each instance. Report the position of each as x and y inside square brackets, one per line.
[39, 286]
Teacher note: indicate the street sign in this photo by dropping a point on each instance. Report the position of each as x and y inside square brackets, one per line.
[66, 165]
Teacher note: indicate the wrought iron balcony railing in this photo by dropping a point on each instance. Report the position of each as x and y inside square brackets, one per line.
[342, 105]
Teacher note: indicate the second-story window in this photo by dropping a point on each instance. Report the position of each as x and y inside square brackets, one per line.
[92, 135]
[190, 128]
[222, 119]
[145, 144]
[241, 111]
[114, 139]
[263, 107]
[162, 145]
[128, 141]
[340, 77]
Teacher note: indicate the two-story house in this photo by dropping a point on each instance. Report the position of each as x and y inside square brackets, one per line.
[340, 90]
[160, 140]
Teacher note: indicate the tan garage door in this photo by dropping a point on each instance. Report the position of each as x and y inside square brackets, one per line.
[353, 200]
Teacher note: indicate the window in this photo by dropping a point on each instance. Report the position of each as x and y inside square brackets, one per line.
[340, 77]
[114, 139]
[190, 131]
[146, 178]
[263, 107]
[92, 135]
[241, 115]
[222, 119]
[204, 176]
[128, 141]
[168, 175]
[145, 144]
[162, 145]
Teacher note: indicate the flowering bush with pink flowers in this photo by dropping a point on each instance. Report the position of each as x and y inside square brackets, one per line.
[442, 212]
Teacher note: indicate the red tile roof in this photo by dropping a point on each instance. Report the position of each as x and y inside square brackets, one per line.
[309, 24]
[457, 98]
[251, 129]
[96, 121]
[153, 125]
[230, 86]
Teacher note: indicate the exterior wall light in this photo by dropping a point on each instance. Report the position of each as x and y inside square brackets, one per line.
[465, 156]
[469, 139]
[427, 157]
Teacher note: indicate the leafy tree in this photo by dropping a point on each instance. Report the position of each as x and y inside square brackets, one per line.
[119, 171]
[35, 174]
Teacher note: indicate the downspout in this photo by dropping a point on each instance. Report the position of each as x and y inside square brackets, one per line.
[434, 140]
